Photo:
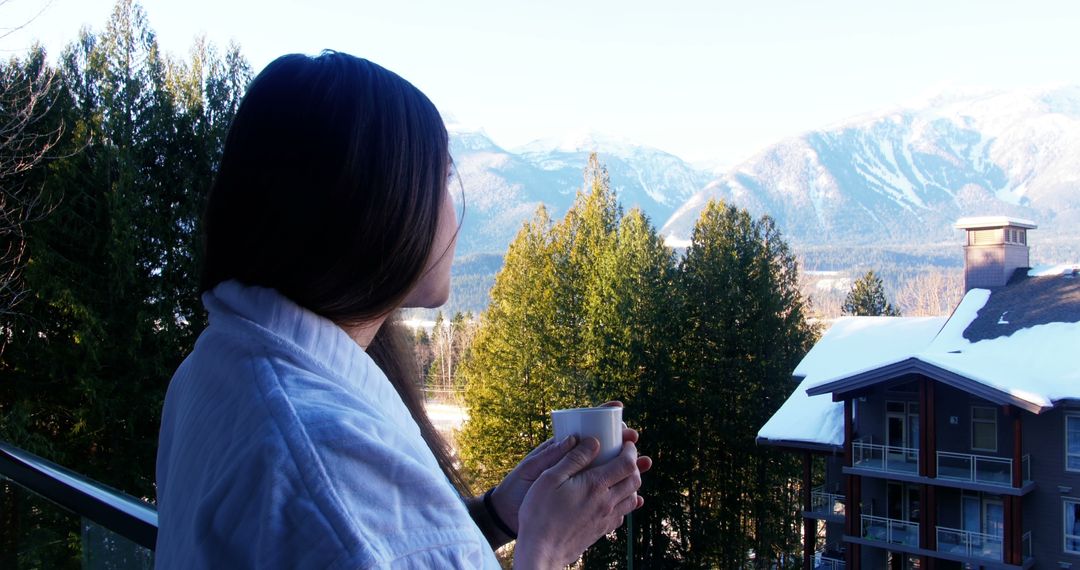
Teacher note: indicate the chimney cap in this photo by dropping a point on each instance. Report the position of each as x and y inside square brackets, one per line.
[984, 222]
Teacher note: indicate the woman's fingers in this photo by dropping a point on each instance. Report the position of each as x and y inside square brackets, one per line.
[544, 456]
[625, 506]
[540, 448]
[626, 487]
[629, 434]
[576, 460]
[644, 463]
[624, 465]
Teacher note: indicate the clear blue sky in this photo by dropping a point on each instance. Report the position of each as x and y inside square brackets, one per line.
[706, 80]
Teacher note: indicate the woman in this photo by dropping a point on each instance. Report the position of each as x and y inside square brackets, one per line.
[293, 435]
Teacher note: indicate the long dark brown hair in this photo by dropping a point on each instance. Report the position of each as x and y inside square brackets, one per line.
[329, 191]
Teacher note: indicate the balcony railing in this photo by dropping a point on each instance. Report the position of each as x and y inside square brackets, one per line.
[824, 562]
[1025, 545]
[889, 530]
[111, 529]
[887, 458]
[970, 544]
[979, 468]
[825, 502]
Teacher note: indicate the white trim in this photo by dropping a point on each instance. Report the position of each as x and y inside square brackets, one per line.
[1066, 440]
[1065, 537]
[986, 222]
[995, 432]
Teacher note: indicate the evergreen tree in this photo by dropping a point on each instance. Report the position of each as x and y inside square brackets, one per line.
[743, 332]
[114, 304]
[867, 298]
[628, 346]
[578, 316]
[530, 354]
[514, 375]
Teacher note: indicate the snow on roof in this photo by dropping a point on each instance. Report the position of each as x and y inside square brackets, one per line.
[851, 345]
[977, 222]
[858, 344]
[1037, 364]
[1049, 270]
[808, 419]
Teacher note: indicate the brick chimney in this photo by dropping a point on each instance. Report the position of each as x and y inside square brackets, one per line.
[996, 246]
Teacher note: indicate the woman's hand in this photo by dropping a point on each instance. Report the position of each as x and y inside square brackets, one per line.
[570, 506]
[508, 496]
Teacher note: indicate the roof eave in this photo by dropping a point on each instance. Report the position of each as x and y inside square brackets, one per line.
[843, 388]
[793, 445]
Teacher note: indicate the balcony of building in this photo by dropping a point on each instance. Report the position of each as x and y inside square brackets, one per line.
[829, 560]
[826, 504]
[884, 458]
[951, 469]
[981, 469]
[970, 544]
[889, 531]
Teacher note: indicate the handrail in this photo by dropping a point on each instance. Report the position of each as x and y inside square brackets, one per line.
[896, 531]
[976, 468]
[822, 501]
[974, 544]
[878, 457]
[119, 512]
[828, 563]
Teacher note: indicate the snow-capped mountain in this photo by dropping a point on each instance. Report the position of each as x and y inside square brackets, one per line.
[904, 176]
[503, 188]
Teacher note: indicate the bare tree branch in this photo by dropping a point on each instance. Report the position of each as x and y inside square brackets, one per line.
[5, 32]
[26, 98]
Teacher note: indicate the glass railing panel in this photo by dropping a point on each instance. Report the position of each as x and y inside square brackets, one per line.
[34, 532]
[956, 466]
[103, 549]
[37, 533]
[868, 456]
[890, 530]
[824, 502]
[983, 469]
[823, 562]
[888, 458]
[969, 544]
[993, 470]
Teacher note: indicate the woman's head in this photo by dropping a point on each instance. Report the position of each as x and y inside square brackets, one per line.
[332, 190]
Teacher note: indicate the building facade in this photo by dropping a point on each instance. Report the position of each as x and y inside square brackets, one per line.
[949, 442]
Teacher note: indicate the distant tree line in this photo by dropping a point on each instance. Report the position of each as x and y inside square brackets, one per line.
[101, 302]
[594, 307]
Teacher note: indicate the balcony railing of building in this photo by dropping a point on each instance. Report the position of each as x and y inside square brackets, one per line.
[823, 561]
[980, 468]
[887, 458]
[52, 504]
[892, 531]
[821, 501]
[970, 544]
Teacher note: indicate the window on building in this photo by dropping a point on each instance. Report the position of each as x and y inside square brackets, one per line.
[1072, 526]
[1072, 443]
[983, 428]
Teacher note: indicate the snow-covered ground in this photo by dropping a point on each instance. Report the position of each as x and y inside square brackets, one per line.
[446, 417]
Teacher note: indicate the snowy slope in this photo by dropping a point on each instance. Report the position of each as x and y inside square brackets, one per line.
[904, 175]
[503, 188]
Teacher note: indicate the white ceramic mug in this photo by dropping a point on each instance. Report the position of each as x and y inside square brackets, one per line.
[605, 424]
